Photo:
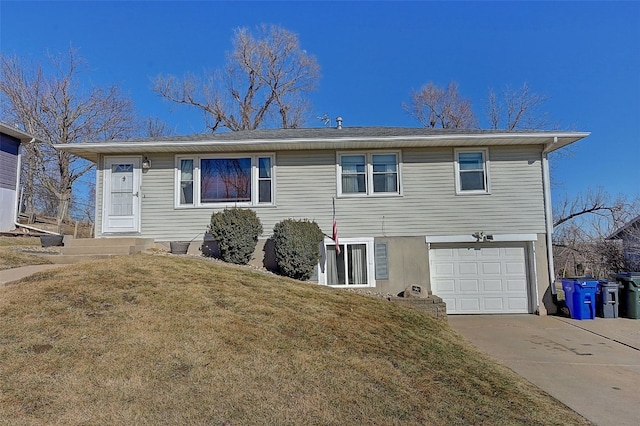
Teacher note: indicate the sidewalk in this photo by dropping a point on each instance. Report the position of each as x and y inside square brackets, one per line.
[8, 276]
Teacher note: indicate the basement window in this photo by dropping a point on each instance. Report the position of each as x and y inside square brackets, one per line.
[353, 267]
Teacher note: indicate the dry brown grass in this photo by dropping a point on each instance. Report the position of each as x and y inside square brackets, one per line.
[12, 255]
[161, 339]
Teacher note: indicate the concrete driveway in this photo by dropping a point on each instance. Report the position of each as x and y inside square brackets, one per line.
[592, 366]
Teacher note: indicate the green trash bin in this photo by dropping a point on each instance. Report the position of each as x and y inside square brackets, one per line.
[629, 294]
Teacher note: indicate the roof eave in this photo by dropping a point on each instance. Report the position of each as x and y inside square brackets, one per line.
[16, 133]
[551, 141]
[619, 233]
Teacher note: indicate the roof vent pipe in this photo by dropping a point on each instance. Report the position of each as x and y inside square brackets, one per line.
[339, 122]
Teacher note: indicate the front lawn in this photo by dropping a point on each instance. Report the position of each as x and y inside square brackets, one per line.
[161, 339]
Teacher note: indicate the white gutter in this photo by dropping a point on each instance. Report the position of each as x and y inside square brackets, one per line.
[548, 213]
[17, 199]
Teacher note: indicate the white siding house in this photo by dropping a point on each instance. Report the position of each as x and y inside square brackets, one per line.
[465, 214]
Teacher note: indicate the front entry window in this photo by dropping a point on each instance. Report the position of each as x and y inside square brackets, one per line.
[121, 190]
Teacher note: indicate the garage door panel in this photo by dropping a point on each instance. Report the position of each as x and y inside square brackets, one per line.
[444, 269]
[481, 279]
[514, 252]
[467, 268]
[519, 286]
[492, 285]
[493, 304]
[465, 253]
[469, 305]
[491, 268]
[514, 268]
[445, 286]
[518, 303]
[442, 254]
[469, 286]
[488, 252]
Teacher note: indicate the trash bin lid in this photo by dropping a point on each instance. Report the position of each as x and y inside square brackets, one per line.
[632, 278]
[583, 282]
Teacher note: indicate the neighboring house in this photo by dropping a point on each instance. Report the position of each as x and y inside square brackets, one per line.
[10, 140]
[462, 213]
[630, 236]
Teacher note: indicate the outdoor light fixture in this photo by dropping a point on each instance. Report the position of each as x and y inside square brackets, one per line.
[481, 237]
[146, 163]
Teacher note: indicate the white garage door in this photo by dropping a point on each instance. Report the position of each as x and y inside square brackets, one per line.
[481, 278]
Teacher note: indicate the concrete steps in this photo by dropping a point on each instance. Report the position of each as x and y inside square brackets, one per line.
[84, 249]
[67, 259]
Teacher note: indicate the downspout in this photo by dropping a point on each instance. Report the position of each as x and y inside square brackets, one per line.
[546, 184]
[101, 201]
[17, 199]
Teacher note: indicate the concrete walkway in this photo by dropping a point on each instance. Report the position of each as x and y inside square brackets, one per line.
[592, 366]
[8, 276]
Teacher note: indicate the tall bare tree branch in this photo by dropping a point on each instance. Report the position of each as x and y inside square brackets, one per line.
[433, 106]
[264, 83]
[516, 109]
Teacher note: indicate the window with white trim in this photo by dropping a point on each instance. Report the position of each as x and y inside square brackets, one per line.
[221, 180]
[362, 174]
[472, 171]
[186, 181]
[353, 267]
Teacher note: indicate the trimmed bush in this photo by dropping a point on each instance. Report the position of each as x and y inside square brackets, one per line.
[296, 244]
[236, 231]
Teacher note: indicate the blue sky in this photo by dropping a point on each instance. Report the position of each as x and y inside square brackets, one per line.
[585, 56]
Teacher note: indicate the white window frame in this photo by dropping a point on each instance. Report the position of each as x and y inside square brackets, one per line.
[485, 168]
[368, 156]
[371, 269]
[197, 179]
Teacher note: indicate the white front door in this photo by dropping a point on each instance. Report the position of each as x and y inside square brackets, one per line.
[121, 201]
[481, 278]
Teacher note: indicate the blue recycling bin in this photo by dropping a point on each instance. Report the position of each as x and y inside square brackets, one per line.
[580, 296]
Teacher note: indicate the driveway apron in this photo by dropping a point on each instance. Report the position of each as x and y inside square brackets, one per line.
[591, 366]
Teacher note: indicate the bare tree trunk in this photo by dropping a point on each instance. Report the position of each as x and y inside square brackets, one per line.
[28, 178]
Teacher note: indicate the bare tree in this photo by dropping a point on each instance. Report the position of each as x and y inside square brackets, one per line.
[58, 109]
[153, 127]
[516, 109]
[264, 82]
[581, 228]
[433, 106]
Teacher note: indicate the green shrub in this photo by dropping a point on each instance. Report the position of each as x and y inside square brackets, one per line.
[296, 244]
[236, 231]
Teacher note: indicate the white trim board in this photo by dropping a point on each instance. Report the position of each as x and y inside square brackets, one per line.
[497, 238]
